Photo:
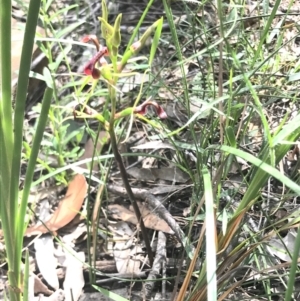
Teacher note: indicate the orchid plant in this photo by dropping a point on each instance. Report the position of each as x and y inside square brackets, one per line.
[99, 67]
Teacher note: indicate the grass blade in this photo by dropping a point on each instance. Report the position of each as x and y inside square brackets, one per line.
[294, 267]
[23, 78]
[210, 238]
[33, 157]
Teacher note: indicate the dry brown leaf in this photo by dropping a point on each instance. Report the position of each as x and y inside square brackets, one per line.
[151, 220]
[122, 213]
[67, 209]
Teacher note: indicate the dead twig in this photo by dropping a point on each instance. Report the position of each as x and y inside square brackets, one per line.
[160, 257]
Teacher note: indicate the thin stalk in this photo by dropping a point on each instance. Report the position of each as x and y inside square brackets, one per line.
[5, 77]
[294, 266]
[26, 279]
[23, 78]
[118, 158]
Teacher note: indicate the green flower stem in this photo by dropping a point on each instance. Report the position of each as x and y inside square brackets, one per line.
[124, 113]
[112, 37]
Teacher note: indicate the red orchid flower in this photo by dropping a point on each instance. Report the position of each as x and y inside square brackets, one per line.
[90, 68]
[142, 109]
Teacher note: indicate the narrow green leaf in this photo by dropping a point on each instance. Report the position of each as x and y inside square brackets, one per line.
[175, 40]
[211, 250]
[109, 294]
[32, 160]
[26, 290]
[260, 177]
[266, 30]
[155, 41]
[294, 269]
[230, 136]
[5, 81]
[68, 29]
[23, 78]
[48, 77]
[137, 27]
[291, 129]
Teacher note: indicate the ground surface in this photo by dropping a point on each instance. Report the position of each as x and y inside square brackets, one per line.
[207, 94]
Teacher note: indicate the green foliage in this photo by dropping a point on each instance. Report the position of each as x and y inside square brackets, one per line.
[111, 74]
[11, 128]
[237, 81]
